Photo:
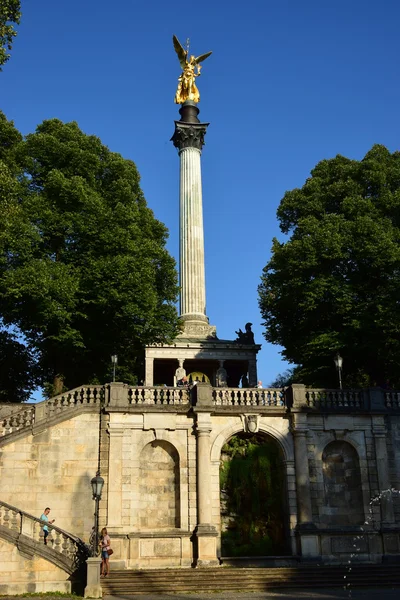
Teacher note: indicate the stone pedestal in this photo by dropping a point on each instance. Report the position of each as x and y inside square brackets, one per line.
[206, 546]
[93, 586]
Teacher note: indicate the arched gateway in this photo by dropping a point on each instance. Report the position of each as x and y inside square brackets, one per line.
[256, 489]
[254, 515]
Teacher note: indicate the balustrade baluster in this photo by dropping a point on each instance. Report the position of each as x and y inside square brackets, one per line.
[64, 545]
[37, 532]
[57, 541]
[92, 395]
[7, 426]
[14, 521]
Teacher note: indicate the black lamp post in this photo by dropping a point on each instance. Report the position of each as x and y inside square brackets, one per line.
[97, 487]
[114, 360]
[338, 360]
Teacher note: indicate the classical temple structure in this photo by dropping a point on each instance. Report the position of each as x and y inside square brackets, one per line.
[160, 449]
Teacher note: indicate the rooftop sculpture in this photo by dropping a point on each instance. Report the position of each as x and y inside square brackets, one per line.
[187, 89]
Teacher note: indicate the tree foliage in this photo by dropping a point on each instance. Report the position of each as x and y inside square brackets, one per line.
[284, 379]
[335, 284]
[84, 272]
[18, 376]
[252, 497]
[10, 14]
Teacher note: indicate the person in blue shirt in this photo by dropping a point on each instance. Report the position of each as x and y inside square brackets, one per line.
[45, 518]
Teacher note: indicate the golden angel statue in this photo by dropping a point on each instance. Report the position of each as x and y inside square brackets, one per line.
[187, 89]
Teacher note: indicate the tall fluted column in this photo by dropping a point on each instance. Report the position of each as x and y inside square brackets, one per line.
[192, 272]
[189, 139]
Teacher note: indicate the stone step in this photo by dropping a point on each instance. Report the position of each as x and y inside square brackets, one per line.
[230, 579]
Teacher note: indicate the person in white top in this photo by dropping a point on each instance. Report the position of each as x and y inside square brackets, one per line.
[105, 548]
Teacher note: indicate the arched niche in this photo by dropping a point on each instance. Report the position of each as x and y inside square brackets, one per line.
[343, 504]
[159, 487]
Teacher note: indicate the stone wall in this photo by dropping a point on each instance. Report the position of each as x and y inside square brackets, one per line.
[160, 461]
[54, 468]
[19, 574]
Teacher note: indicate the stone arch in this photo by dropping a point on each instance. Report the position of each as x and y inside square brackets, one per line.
[225, 435]
[343, 505]
[284, 444]
[159, 486]
[163, 435]
[326, 438]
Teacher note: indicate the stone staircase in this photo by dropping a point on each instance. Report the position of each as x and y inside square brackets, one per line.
[226, 579]
[25, 531]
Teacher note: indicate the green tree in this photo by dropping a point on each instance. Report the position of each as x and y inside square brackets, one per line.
[84, 272]
[18, 375]
[10, 14]
[251, 482]
[284, 379]
[335, 284]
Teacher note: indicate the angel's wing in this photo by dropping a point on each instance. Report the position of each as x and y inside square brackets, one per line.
[182, 54]
[202, 57]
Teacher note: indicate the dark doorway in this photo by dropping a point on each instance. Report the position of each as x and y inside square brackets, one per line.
[252, 484]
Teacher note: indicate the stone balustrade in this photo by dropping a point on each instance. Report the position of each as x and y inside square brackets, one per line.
[248, 397]
[81, 396]
[392, 399]
[18, 420]
[158, 395]
[120, 395]
[18, 525]
[331, 399]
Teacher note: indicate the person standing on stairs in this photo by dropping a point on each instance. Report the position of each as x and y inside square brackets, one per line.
[105, 548]
[45, 518]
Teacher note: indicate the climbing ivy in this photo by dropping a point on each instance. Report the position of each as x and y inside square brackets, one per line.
[251, 482]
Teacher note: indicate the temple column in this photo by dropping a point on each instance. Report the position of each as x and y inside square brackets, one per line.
[149, 375]
[252, 372]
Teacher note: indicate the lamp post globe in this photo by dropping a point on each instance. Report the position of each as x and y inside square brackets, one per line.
[114, 361]
[338, 360]
[97, 487]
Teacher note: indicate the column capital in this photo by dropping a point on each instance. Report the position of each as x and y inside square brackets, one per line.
[203, 431]
[115, 430]
[189, 135]
[299, 433]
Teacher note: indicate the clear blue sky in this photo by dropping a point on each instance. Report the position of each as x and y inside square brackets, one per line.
[289, 84]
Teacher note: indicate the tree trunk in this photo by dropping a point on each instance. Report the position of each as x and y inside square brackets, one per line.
[58, 384]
